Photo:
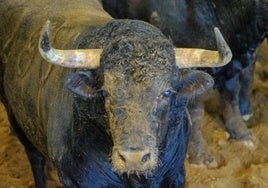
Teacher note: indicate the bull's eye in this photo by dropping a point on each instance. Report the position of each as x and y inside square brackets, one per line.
[146, 158]
[121, 157]
[167, 93]
[104, 93]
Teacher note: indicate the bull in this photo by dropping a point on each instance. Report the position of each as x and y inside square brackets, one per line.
[111, 109]
[188, 23]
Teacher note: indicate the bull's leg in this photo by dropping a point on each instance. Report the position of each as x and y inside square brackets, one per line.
[198, 152]
[246, 81]
[36, 159]
[234, 123]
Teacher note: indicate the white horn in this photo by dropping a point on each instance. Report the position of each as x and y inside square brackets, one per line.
[80, 58]
[190, 57]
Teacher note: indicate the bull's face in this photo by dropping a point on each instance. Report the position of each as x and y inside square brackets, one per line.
[138, 87]
[140, 77]
[139, 110]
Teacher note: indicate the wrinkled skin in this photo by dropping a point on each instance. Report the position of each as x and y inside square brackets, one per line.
[125, 124]
[189, 24]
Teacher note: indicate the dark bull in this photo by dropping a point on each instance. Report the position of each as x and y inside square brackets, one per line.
[123, 119]
[132, 86]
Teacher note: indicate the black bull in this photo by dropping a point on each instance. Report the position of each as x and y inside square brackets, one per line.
[111, 115]
[244, 24]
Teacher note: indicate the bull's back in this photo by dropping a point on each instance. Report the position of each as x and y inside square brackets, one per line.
[31, 85]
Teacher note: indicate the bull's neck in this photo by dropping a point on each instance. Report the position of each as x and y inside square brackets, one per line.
[90, 122]
[174, 147]
[90, 113]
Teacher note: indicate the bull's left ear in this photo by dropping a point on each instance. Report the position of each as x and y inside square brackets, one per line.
[81, 83]
[194, 83]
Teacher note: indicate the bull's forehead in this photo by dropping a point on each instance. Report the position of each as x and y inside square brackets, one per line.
[138, 66]
[122, 86]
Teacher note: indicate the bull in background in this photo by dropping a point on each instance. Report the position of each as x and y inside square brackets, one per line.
[113, 111]
[244, 24]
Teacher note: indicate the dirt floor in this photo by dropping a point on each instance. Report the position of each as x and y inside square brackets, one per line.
[240, 167]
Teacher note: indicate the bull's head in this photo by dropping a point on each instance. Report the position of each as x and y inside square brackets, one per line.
[141, 79]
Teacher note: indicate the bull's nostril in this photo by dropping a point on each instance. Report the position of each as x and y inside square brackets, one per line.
[146, 157]
[133, 159]
[121, 157]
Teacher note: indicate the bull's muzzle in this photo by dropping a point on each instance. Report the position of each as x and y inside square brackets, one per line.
[134, 161]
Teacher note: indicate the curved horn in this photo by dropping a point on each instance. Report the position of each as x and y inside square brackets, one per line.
[82, 58]
[187, 57]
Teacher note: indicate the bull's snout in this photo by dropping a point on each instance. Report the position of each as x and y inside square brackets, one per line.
[132, 161]
[135, 158]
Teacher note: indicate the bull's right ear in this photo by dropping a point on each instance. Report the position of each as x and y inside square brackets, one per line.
[81, 83]
[194, 83]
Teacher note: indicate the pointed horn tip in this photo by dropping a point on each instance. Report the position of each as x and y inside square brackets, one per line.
[226, 52]
[216, 30]
[219, 38]
[46, 27]
[47, 23]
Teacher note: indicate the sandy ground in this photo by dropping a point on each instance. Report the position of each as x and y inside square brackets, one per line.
[240, 167]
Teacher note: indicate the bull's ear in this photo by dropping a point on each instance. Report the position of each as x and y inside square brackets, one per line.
[194, 83]
[81, 84]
